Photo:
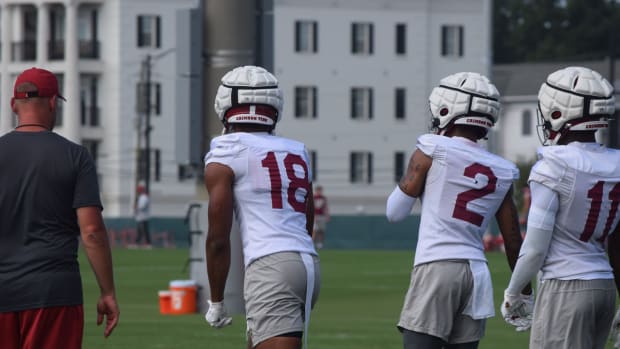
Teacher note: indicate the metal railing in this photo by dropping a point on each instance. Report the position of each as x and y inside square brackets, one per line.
[90, 116]
[56, 49]
[24, 51]
[89, 49]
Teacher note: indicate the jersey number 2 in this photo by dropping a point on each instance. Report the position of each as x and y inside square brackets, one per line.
[460, 209]
[596, 194]
[271, 163]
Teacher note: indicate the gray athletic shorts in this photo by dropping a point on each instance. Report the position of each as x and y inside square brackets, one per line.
[436, 299]
[573, 314]
[275, 295]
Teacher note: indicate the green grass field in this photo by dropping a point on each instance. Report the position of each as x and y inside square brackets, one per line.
[361, 297]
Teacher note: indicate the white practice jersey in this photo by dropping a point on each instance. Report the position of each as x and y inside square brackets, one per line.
[465, 187]
[586, 177]
[272, 180]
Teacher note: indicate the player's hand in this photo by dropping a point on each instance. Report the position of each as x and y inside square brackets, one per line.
[615, 330]
[217, 316]
[517, 310]
[108, 308]
[528, 301]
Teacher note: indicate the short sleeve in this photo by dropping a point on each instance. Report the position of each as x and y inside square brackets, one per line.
[227, 151]
[86, 185]
[547, 171]
[427, 144]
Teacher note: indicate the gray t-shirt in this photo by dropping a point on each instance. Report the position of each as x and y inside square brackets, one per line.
[44, 178]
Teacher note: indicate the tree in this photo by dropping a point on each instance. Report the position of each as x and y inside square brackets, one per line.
[548, 30]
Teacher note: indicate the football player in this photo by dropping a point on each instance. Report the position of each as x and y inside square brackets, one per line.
[461, 186]
[266, 181]
[575, 188]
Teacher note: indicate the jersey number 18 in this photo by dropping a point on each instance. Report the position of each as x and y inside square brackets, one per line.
[270, 162]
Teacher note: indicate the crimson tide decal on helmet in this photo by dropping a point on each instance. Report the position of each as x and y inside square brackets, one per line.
[249, 94]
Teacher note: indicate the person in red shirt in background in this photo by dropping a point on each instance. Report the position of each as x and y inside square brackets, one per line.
[321, 217]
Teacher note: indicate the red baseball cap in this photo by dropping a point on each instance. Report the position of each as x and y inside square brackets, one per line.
[44, 80]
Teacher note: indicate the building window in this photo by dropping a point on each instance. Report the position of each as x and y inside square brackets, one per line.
[452, 40]
[26, 48]
[526, 122]
[313, 165]
[362, 38]
[360, 167]
[153, 164]
[305, 102]
[361, 103]
[89, 107]
[149, 31]
[401, 39]
[399, 103]
[306, 36]
[56, 43]
[185, 172]
[156, 161]
[399, 166]
[154, 100]
[88, 34]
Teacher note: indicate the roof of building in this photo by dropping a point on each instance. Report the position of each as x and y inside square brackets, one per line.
[524, 79]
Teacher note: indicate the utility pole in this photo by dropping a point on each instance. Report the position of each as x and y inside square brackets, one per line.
[147, 127]
[144, 125]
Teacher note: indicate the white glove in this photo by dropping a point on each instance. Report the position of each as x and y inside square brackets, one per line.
[217, 316]
[517, 310]
[615, 330]
[528, 301]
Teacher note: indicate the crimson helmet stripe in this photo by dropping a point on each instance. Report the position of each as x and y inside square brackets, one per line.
[252, 113]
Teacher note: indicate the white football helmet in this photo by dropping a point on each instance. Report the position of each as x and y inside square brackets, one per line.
[574, 99]
[464, 98]
[244, 94]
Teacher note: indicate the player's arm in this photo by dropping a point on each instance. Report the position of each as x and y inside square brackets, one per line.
[540, 223]
[613, 249]
[508, 222]
[410, 187]
[97, 247]
[310, 210]
[219, 183]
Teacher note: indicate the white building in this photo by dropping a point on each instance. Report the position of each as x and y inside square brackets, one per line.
[517, 135]
[356, 76]
[97, 48]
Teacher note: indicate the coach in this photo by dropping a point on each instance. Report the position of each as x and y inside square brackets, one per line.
[49, 197]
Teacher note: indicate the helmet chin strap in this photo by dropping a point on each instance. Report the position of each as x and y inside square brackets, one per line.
[554, 137]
